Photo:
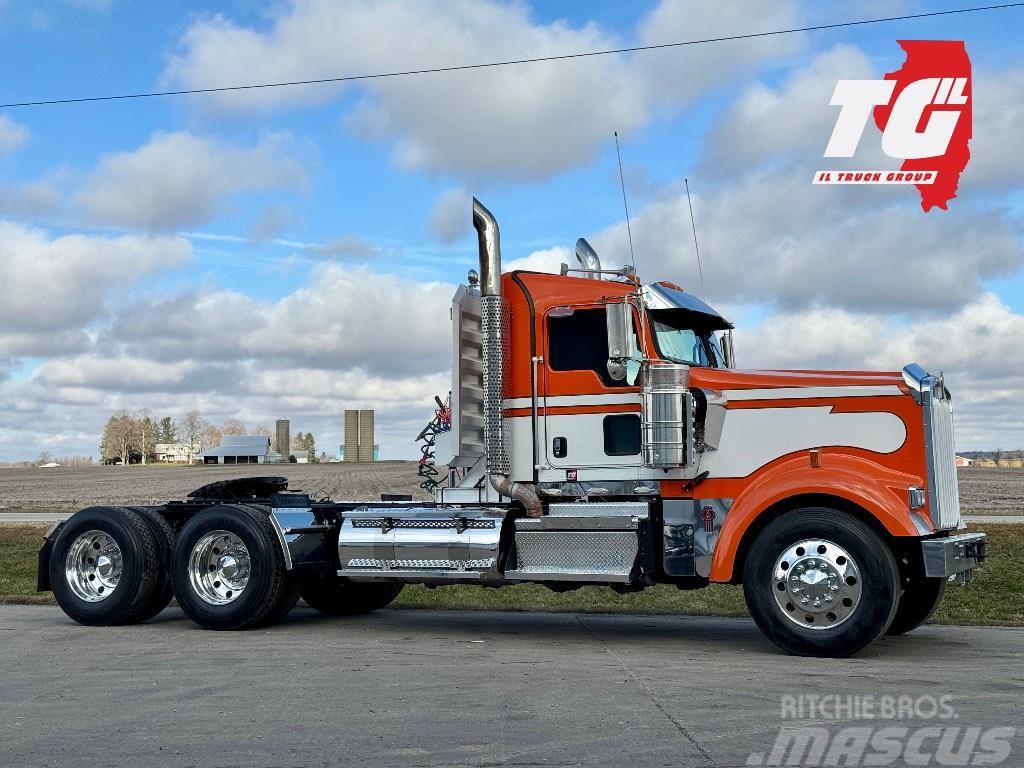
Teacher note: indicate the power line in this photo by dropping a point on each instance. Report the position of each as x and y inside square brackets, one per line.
[511, 62]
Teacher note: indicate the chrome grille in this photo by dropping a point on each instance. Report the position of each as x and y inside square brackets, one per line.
[943, 492]
[940, 448]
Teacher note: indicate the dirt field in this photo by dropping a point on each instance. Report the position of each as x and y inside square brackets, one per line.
[991, 490]
[983, 491]
[68, 490]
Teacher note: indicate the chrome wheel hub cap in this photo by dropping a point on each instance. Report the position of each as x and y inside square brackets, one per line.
[93, 566]
[816, 584]
[219, 567]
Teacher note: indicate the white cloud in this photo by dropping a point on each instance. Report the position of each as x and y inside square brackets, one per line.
[792, 117]
[996, 158]
[344, 318]
[179, 179]
[32, 199]
[451, 217]
[56, 285]
[773, 238]
[350, 338]
[546, 260]
[522, 122]
[272, 221]
[13, 135]
[684, 73]
[118, 373]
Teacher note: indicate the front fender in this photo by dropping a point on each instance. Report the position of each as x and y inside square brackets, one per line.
[880, 491]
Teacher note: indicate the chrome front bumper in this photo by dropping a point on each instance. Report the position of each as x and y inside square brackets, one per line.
[954, 556]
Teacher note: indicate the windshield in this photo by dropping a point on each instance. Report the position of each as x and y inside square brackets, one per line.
[685, 345]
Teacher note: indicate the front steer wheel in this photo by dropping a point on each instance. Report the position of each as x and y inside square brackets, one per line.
[819, 582]
[229, 571]
[337, 596]
[106, 567]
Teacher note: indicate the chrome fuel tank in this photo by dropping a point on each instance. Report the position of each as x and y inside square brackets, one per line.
[420, 543]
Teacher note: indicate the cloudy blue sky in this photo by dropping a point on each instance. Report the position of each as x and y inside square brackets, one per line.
[291, 252]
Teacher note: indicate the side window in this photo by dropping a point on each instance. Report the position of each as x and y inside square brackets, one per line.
[622, 434]
[579, 342]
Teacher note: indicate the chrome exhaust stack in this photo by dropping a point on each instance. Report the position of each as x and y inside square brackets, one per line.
[494, 331]
[588, 259]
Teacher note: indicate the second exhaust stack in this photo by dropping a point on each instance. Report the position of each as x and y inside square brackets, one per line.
[492, 316]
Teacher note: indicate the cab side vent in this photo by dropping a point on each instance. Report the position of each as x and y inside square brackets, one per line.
[467, 371]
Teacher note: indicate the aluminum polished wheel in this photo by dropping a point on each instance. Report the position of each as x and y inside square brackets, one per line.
[219, 567]
[93, 566]
[816, 584]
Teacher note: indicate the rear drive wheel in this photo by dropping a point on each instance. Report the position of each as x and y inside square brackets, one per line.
[105, 567]
[819, 582]
[229, 571]
[920, 599]
[337, 596]
[164, 536]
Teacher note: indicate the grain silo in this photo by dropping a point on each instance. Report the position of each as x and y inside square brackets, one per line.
[283, 437]
[358, 444]
[351, 435]
[366, 436]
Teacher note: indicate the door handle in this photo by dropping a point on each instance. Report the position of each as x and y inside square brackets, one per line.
[560, 447]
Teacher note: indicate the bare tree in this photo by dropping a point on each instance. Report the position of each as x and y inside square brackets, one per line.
[262, 430]
[189, 429]
[147, 432]
[120, 437]
[211, 436]
[233, 427]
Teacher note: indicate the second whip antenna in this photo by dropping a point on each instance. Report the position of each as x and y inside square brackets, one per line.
[625, 205]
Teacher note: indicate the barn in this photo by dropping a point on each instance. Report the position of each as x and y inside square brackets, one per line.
[239, 449]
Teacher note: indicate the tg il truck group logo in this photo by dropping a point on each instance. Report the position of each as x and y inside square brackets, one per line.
[923, 110]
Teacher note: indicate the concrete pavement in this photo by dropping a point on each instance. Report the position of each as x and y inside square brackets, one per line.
[439, 688]
[41, 518]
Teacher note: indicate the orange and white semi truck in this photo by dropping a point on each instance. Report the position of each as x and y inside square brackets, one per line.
[600, 434]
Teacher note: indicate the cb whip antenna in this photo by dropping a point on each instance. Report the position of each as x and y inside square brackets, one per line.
[625, 205]
[693, 225]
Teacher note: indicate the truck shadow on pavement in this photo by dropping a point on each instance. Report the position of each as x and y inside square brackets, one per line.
[704, 635]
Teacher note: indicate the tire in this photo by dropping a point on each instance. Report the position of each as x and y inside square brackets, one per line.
[819, 582]
[229, 571]
[337, 596]
[164, 534]
[105, 567]
[920, 599]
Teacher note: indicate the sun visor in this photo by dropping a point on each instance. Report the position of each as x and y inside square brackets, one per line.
[662, 298]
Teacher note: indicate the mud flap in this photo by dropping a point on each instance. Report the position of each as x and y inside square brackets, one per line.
[43, 558]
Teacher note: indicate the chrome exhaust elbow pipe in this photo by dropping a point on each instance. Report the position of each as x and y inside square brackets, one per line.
[490, 249]
[588, 259]
[492, 316]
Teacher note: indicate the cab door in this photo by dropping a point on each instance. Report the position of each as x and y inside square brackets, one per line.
[589, 419]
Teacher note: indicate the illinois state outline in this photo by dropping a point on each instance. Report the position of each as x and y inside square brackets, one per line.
[935, 58]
